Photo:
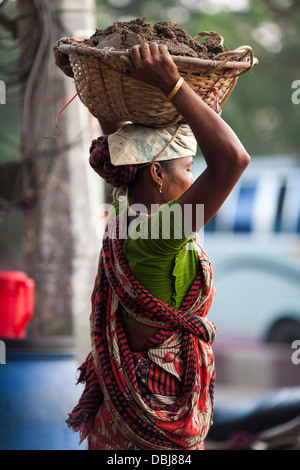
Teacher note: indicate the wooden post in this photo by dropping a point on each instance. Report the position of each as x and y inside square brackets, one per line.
[60, 241]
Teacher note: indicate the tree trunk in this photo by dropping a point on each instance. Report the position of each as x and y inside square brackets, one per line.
[60, 243]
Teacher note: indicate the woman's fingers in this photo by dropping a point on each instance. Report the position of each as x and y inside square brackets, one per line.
[155, 49]
[145, 50]
[152, 64]
[129, 63]
[135, 53]
[164, 50]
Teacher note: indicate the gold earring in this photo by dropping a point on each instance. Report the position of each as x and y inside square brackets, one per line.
[159, 187]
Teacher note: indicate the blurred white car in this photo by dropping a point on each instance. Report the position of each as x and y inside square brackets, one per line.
[254, 245]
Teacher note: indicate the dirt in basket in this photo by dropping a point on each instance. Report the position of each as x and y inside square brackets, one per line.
[124, 35]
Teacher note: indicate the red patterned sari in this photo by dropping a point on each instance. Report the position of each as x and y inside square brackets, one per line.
[162, 397]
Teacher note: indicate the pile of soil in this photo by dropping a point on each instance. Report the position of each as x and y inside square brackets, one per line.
[124, 35]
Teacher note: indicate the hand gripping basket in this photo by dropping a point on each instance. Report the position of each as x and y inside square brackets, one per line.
[110, 92]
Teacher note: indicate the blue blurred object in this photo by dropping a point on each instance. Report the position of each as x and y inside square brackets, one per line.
[37, 391]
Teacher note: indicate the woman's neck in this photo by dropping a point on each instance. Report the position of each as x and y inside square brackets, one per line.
[144, 203]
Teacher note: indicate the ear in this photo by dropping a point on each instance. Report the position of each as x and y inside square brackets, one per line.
[156, 172]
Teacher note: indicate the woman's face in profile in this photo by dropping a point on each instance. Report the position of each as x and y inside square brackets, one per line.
[180, 179]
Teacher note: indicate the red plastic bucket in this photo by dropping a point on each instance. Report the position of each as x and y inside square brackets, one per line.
[16, 303]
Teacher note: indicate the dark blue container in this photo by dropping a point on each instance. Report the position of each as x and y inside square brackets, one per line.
[37, 391]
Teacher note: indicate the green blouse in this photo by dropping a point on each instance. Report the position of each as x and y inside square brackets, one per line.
[161, 254]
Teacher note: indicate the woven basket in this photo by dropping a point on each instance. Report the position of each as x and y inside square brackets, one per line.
[110, 93]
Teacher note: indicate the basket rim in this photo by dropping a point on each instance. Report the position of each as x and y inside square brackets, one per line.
[107, 53]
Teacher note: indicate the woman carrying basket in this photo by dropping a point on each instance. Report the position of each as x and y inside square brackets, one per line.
[150, 376]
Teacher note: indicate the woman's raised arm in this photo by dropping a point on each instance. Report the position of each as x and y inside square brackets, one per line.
[225, 156]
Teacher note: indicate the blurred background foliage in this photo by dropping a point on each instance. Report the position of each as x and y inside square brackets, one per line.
[260, 109]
